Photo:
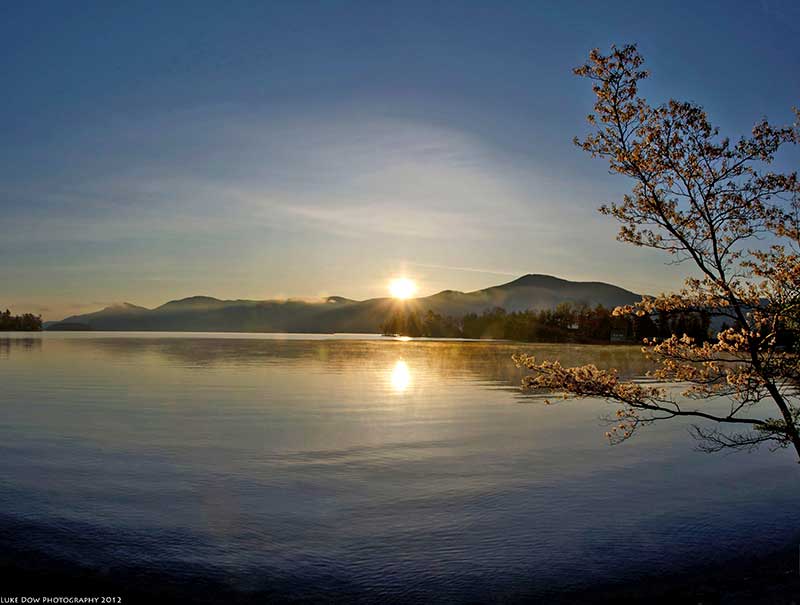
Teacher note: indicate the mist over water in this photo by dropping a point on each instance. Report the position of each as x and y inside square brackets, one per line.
[413, 469]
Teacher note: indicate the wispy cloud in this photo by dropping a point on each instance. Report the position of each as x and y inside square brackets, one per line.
[469, 269]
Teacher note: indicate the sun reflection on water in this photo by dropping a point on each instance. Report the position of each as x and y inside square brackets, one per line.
[401, 376]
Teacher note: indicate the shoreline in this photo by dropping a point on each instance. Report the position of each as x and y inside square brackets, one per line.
[367, 336]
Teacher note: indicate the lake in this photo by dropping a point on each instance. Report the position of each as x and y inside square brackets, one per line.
[389, 469]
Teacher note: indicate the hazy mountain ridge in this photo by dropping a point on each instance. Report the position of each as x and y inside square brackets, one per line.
[339, 314]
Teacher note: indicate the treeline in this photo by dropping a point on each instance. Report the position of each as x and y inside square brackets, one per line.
[566, 323]
[27, 322]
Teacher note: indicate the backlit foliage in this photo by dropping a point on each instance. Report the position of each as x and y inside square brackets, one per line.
[705, 200]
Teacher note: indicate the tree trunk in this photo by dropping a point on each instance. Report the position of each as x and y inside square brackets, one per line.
[791, 428]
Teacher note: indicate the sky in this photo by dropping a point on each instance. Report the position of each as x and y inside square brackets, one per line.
[153, 151]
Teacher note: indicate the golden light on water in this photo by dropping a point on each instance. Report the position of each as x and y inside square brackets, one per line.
[402, 288]
[401, 376]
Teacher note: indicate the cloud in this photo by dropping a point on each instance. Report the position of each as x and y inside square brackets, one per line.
[511, 273]
[353, 177]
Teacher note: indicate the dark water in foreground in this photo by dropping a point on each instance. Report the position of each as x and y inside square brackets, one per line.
[414, 470]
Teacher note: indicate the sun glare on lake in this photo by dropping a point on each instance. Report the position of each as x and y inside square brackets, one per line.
[401, 376]
[402, 288]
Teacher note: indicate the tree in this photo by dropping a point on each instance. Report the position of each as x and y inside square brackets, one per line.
[26, 322]
[715, 205]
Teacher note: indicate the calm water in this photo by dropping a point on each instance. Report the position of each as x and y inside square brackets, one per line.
[395, 469]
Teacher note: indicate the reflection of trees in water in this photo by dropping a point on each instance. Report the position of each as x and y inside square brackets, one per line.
[9, 345]
[489, 361]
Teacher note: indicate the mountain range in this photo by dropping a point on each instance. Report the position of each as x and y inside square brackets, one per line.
[338, 314]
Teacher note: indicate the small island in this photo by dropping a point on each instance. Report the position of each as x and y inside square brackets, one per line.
[27, 322]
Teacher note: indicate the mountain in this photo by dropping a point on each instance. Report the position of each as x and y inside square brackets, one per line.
[529, 292]
[339, 314]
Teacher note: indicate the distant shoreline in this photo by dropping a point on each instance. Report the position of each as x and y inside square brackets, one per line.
[550, 295]
[371, 336]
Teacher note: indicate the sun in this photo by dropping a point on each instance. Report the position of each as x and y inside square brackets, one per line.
[402, 288]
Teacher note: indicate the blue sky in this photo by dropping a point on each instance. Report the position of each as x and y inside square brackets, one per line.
[254, 150]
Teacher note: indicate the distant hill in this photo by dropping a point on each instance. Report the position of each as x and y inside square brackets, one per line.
[338, 314]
